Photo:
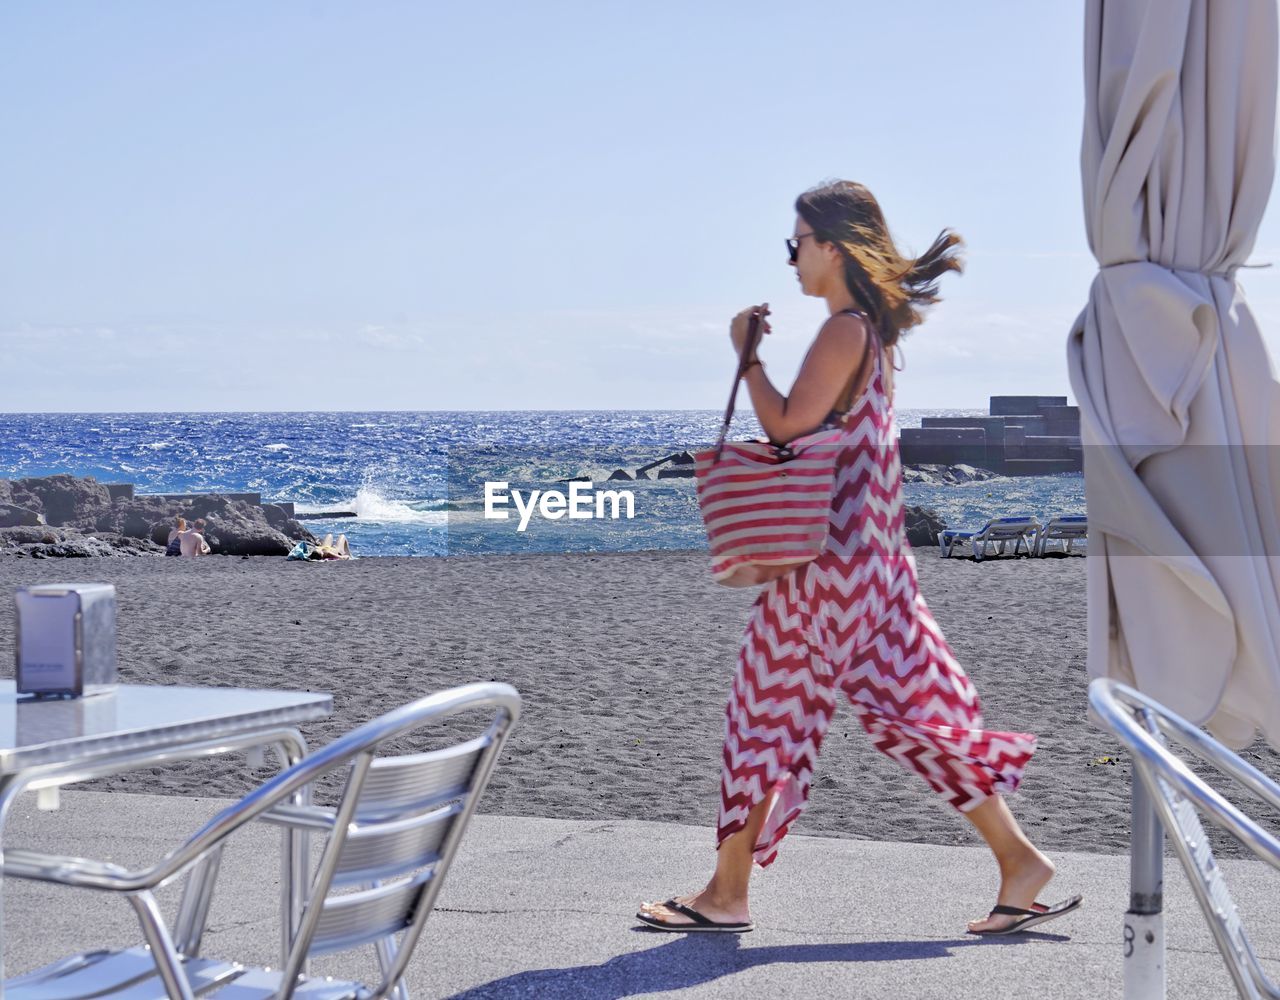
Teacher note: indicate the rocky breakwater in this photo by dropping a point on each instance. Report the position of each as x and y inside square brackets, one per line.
[69, 516]
[946, 475]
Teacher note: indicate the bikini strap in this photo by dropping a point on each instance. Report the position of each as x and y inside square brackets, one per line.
[852, 385]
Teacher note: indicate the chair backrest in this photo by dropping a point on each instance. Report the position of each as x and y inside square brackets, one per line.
[1007, 527]
[1181, 798]
[1067, 526]
[396, 829]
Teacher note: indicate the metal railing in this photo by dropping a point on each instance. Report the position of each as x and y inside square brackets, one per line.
[1168, 794]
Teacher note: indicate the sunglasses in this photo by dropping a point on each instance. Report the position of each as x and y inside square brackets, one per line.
[793, 246]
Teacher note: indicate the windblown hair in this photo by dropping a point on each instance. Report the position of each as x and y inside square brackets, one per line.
[890, 288]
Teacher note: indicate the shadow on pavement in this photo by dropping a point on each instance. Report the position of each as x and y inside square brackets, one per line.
[692, 959]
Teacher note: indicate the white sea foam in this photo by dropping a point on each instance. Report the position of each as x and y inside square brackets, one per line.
[275, 447]
[370, 505]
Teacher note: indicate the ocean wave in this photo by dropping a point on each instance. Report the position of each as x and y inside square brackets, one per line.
[275, 447]
[372, 507]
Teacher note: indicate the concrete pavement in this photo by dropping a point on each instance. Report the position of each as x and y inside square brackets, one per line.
[543, 908]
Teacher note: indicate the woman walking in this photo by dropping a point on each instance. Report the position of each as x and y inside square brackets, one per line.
[853, 622]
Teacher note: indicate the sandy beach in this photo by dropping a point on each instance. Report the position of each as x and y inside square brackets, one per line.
[624, 662]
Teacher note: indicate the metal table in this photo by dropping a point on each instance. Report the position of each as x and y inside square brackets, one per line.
[45, 744]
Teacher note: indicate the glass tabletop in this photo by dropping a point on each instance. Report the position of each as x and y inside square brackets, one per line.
[137, 716]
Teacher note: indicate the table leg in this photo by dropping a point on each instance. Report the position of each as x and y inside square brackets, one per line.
[10, 787]
[193, 914]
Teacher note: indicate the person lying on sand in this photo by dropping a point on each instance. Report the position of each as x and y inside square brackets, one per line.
[329, 549]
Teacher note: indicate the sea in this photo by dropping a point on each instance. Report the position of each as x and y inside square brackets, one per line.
[416, 481]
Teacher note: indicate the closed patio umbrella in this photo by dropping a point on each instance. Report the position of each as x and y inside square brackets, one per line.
[1179, 405]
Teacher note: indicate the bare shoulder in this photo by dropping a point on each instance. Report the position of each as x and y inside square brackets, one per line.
[850, 329]
[843, 334]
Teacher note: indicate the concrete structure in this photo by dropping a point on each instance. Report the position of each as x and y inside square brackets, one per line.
[1020, 436]
[125, 491]
[254, 499]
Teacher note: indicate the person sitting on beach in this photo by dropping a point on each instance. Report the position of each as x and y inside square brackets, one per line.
[853, 622]
[173, 545]
[192, 541]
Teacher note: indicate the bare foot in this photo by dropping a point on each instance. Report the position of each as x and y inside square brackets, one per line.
[1020, 883]
[722, 911]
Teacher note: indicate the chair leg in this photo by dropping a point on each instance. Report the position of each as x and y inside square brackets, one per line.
[386, 960]
[168, 964]
[196, 898]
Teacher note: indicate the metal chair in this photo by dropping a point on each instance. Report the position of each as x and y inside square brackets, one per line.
[390, 841]
[1181, 798]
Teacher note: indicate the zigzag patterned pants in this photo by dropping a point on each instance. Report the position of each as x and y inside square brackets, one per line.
[857, 627]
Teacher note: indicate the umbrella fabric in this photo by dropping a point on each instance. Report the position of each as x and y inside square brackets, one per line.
[1179, 403]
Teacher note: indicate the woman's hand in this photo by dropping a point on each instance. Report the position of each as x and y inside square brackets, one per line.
[738, 327]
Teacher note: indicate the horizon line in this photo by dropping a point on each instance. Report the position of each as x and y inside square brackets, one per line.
[524, 409]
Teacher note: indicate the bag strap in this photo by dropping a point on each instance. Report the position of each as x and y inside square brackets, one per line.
[748, 351]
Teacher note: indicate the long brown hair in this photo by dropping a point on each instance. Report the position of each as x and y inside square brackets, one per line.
[890, 288]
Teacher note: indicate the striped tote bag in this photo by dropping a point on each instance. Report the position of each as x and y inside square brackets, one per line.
[766, 506]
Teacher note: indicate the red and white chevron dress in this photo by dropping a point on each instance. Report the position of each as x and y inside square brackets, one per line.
[853, 622]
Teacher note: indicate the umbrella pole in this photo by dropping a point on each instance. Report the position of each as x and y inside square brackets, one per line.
[1144, 923]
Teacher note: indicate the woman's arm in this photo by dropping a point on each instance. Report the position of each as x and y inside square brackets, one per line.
[830, 364]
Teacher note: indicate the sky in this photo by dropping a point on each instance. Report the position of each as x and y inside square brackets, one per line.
[430, 206]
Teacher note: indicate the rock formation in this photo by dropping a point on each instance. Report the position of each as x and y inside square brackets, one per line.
[70, 516]
[923, 525]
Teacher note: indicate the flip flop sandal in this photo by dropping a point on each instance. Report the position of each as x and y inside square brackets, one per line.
[1038, 914]
[700, 923]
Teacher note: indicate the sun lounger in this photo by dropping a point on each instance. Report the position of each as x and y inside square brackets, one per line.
[997, 532]
[1067, 528]
[388, 845]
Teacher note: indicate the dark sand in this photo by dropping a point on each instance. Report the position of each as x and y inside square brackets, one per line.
[624, 662]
